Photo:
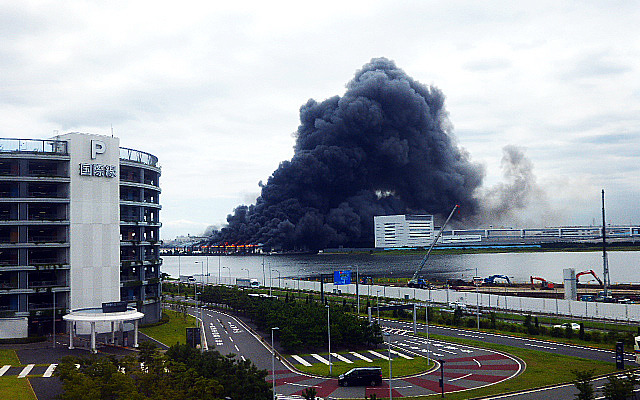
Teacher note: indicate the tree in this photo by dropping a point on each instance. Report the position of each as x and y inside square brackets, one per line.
[618, 388]
[309, 393]
[184, 374]
[584, 385]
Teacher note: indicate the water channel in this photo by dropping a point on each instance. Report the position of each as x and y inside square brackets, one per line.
[624, 266]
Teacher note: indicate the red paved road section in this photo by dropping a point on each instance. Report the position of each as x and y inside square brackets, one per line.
[433, 385]
[469, 371]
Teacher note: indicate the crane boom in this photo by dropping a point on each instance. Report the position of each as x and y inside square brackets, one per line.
[426, 256]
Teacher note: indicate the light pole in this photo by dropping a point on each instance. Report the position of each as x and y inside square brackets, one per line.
[229, 274]
[426, 318]
[54, 317]
[273, 363]
[357, 290]
[270, 282]
[378, 305]
[388, 335]
[201, 269]
[247, 269]
[207, 268]
[329, 336]
[476, 281]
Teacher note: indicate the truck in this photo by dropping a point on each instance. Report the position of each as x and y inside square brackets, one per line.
[248, 283]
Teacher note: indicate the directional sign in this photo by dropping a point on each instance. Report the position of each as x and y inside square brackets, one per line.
[342, 277]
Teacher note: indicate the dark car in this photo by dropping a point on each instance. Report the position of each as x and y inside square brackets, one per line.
[361, 377]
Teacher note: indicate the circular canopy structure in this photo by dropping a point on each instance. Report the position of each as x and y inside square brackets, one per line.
[97, 315]
[93, 315]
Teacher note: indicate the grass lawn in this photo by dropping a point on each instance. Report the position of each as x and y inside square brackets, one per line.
[173, 331]
[400, 366]
[8, 357]
[16, 389]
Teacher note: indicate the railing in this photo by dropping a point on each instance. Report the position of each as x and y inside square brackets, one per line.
[138, 156]
[33, 146]
[39, 284]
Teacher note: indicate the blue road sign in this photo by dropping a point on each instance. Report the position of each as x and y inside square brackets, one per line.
[341, 277]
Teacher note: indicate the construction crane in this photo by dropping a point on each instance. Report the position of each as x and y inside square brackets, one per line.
[544, 284]
[490, 280]
[589, 272]
[421, 283]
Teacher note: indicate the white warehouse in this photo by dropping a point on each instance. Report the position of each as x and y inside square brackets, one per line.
[403, 230]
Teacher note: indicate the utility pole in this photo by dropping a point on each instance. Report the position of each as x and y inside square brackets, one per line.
[605, 261]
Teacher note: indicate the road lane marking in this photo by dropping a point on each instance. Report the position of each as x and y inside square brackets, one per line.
[477, 362]
[4, 369]
[341, 358]
[460, 377]
[49, 372]
[320, 358]
[301, 360]
[360, 356]
[402, 355]
[375, 353]
[26, 371]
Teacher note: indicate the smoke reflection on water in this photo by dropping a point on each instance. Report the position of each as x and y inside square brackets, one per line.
[623, 265]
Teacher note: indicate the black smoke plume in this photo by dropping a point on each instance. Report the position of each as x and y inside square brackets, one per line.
[384, 147]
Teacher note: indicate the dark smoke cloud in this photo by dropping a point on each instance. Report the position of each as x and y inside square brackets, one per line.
[385, 147]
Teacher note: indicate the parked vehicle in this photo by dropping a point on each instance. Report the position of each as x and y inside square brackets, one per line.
[370, 376]
[249, 283]
[572, 325]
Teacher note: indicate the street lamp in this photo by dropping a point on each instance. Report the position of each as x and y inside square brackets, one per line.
[207, 268]
[378, 304]
[247, 269]
[273, 363]
[329, 336]
[390, 369]
[426, 318]
[201, 269]
[270, 282]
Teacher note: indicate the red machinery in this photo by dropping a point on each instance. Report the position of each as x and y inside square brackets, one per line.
[544, 284]
[590, 272]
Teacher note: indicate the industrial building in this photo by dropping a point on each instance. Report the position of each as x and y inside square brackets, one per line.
[410, 231]
[79, 227]
[403, 230]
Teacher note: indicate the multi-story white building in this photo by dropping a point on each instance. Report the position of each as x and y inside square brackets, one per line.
[79, 226]
[403, 230]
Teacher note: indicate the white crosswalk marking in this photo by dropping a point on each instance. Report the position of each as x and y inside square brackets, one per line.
[4, 369]
[375, 353]
[320, 358]
[402, 355]
[49, 372]
[26, 371]
[360, 356]
[341, 358]
[301, 360]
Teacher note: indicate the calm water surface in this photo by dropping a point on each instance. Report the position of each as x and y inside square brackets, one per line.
[624, 266]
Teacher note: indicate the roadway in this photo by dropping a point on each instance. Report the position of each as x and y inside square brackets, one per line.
[465, 368]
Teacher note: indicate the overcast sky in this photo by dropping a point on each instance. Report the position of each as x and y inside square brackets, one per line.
[214, 88]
